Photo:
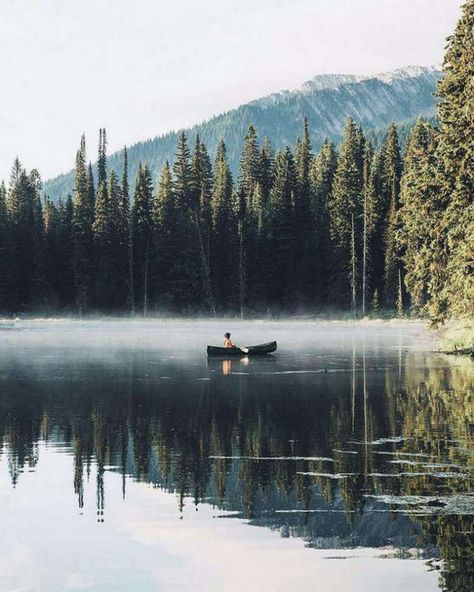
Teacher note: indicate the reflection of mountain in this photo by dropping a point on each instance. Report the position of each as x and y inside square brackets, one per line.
[374, 455]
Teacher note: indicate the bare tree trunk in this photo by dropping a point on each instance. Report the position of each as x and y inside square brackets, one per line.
[364, 260]
[353, 273]
[145, 280]
[241, 271]
[353, 384]
[132, 286]
[400, 294]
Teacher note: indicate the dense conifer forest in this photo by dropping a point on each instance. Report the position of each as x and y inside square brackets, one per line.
[352, 228]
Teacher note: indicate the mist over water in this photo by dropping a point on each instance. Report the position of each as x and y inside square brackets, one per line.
[146, 466]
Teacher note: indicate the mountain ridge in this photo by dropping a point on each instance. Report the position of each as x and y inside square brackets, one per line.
[374, 101]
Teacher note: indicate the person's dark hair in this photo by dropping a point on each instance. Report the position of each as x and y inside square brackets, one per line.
[227, 335]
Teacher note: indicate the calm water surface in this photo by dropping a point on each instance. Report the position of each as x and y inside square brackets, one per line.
[128, 462]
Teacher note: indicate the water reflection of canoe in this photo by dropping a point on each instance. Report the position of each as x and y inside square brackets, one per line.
[253, 350]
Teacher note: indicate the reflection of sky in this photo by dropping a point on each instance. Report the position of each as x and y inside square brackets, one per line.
[49, 544]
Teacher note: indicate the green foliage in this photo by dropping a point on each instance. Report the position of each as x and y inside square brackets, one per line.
[420, 217]
[26, 240]
[305, 248]
[281, 231]
[391, 175]
[224, 257]
[83, 217]
[299, 232]
[455, 156]
[142, 228]
[345, 212]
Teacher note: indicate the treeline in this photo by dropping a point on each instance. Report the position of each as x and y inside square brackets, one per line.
[295, 231]
[354, 228]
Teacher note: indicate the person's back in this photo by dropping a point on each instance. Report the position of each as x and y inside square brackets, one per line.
[227, 341]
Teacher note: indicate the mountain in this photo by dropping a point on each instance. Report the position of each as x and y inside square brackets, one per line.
[326, 100]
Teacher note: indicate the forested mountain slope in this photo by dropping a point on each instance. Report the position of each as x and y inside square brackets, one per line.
[400, 96]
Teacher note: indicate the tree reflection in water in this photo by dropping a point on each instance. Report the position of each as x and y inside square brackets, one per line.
[376, 454]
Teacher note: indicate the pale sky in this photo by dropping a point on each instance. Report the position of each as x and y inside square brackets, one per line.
[144, 67]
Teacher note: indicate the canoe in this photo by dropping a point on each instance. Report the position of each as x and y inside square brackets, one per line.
[252, 350]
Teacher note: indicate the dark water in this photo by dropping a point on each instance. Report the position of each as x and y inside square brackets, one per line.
[129, 462]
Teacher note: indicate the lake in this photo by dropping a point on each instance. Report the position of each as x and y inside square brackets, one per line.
[130, 462]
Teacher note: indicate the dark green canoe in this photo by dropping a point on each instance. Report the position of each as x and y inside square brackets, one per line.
[253, 350]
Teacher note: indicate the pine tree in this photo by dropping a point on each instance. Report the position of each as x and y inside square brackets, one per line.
[392, 173]
[165, 216]
[282, 230]
[59, 250]
[102, 249]
[266, 171]
[102, 158]
[224, 259]
[322, 173]
[248, 216]
[455, 155]
[121, 203]
[201, 187]
[51, 225]
[376, 202]
[345, 209]
[90, 190]
[305, 251]
[40, 289]
[83, 218]
[367, 224]
[110, 246]
[125, 223]
[188, 291]
[28, 279]
[142, 229]
[5, 252]
[421, 216]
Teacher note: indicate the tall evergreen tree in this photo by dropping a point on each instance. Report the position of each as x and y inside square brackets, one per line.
[126, 229]
[249, 206]
[27, 238]
[5, 252]
[142, 229]
[165, 216]
[305, 251]
[102, 232]
[421, 214]
[201, 186]
[367, 225]
[322, 173]
[59, 251]
[83, 218]
[455, 249]
[224, 256]
[345, 209]
[102, 158]
[266, 171]
[282, 230]
[90, 189]
[110, 246]
[376, 201]
[188, 290]
[393, 260]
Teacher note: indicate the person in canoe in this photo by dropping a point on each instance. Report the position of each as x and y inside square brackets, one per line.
[227, 341]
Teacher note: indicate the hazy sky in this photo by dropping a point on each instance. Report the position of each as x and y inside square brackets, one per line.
[143, 67]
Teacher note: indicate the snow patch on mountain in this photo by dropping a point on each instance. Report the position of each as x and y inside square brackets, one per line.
[322, 82]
